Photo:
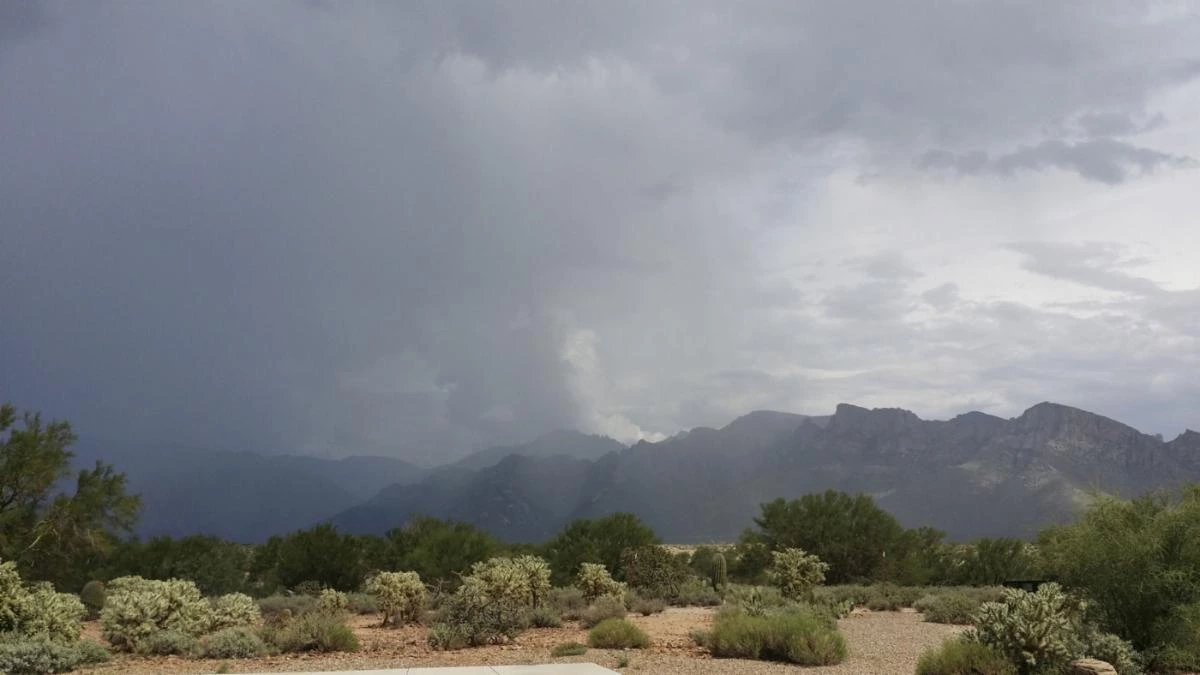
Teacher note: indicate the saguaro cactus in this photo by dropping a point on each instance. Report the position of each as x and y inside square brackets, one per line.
[720, 572]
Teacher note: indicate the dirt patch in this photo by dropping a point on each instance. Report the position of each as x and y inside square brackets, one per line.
[881, 643]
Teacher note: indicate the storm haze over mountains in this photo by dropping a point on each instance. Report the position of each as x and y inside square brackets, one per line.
[419, 230]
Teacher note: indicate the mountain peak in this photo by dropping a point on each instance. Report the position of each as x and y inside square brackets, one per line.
[849, 417]
[1057, 414]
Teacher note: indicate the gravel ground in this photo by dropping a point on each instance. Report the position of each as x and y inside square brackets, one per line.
[880, 643]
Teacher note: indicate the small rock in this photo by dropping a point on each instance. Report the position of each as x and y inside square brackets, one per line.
[1090, 667]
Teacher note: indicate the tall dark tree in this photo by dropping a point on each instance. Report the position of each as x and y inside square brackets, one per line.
[600, 541]
[438, 550]
[851, 533]
[217, 566]
[319, 554]
[56, 536]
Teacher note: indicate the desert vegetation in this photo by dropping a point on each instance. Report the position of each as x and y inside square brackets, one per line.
[1121, 582]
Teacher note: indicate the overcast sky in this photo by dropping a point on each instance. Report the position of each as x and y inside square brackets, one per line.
[421, 227]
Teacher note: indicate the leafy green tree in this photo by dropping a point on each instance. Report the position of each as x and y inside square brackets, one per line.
[216, 566]
[56, 536]
[921, 558]
[320, 554]
[851, 533]
[438, 550]
[749, 562]
[653, 571]
[597, 541]
[1139, 562]
[989, 562]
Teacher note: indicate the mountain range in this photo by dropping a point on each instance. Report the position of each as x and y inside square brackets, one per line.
[973, 475]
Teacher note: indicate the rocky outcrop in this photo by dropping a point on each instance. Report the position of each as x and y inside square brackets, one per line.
[1090, 667]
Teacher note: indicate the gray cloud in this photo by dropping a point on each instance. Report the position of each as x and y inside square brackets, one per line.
[423, 227]
[1096, 264]
[1103, 160]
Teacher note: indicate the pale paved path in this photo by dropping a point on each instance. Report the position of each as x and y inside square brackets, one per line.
[552, 669]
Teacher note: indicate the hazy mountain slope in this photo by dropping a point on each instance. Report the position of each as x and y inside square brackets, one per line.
[518, 499]
[558, 443]
[974, 475]
[240, 495]
[360, 476]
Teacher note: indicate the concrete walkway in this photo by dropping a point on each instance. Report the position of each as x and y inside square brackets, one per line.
[550, 669]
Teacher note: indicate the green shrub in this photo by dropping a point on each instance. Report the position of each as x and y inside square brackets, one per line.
[595, 582]
[754, 600]
[168, 643]
[855, 594]
[544, 617]
[91, 652]
[92, 597]
[401, 596]
[309, 587]
[647, 606]
[274, 605]
[803, 636]
[362, 603]
[617, 634]
[445, 637]
[232, 643]
[568, 649]
[702, 638]
[38, 656]
[963, 657]
[891, 598]
[695, 593]
[332, 601]
[607, 607]
[232, 610]
[569, 602]
[796, 572]
[953, 607]
[313, 632]
[1091, 642]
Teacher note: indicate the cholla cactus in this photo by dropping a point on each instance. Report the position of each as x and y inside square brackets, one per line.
[595, 582]
[37, 611]
[537, 576]
[234, 610]
[796, 572]
[503, 580]
[1035, 631]
[332, 601]
[138, 608]
[401, 596]
[12, 592]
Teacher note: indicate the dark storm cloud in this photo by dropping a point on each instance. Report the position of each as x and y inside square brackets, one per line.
[21, 19]
[421, 227]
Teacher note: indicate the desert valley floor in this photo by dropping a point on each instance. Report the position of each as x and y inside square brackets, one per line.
[880, 643]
